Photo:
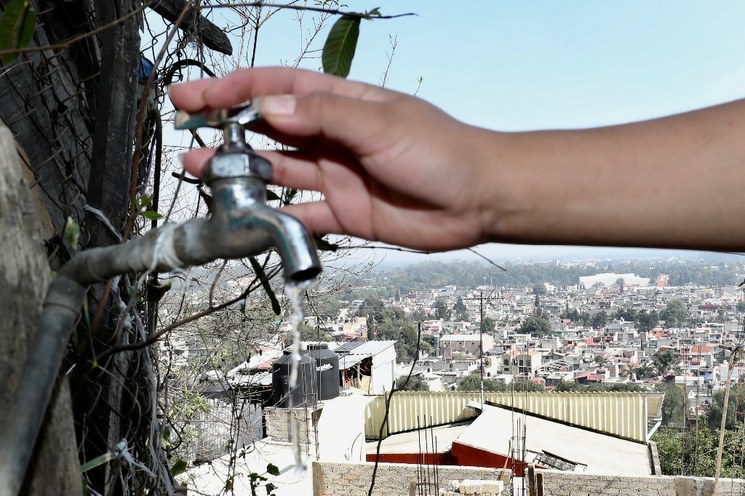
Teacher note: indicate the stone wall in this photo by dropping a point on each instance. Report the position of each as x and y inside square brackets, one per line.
[552, 483]
[353, 479]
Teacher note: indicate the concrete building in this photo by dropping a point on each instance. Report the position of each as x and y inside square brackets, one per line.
[522, 363]
[469, 345]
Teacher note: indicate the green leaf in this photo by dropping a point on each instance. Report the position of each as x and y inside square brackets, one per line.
[17, 23]
[71, 233]
[179, 467]
[143, 201]
[97, 461]
[341, 43]
[272, 469]
[151, 215]
[271, 195]
[324, 245]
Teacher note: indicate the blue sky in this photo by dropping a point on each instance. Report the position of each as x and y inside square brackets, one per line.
[522, 65]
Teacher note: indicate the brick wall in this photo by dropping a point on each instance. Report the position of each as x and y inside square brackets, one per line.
[353, 479]
[551, 483]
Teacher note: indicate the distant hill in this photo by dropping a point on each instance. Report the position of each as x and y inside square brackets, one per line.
[722, 271]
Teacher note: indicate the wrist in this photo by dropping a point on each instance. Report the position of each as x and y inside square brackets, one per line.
[498, 185]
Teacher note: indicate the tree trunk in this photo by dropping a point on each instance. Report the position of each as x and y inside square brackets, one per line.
[24, 277]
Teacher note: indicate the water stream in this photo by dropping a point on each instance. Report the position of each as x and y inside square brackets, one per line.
[295, 292]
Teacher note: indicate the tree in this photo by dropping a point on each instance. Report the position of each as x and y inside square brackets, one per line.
[418, 315]
[314, 333]
[665, 361]
[628, 314]
[599, 320]
[393, 324]
[78, 148]
[473, 383]
[646, 321]
[415, 383]
[535, 326]
[325, 306]
[460, 310]
[92, 145]
[487, 325]
[441, 309]
[735, 415]
[674, 406]
[670, 448]
[674, 314]
[372, 308]
[645, 371]
[566, 386]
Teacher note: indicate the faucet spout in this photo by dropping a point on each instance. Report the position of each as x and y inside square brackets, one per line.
[242, 221]
[245, 225]
[242, 224]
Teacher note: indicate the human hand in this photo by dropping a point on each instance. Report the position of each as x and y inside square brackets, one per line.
[391, 167]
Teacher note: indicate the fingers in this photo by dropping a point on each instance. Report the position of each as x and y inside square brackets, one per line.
[243, 85]
[317, 217]
[289, 169]
[295, 170]
[355, 123]
[195, 161]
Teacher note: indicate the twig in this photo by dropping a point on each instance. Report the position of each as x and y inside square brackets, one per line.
[393, 40]
[384, 423]
[156, 336]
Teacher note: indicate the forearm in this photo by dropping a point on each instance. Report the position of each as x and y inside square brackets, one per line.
[673, 182]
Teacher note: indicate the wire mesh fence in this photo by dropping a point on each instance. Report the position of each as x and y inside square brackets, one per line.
[86, 103]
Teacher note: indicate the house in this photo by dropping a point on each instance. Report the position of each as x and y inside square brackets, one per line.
[368, 365]
[469, 345]
[522, 363]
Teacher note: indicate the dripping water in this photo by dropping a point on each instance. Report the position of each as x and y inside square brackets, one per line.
[295, 292]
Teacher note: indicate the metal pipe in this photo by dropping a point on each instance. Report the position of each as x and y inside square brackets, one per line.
[241, 225]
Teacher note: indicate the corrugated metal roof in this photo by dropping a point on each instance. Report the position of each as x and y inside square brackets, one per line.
[599, 453]
[348, 361]
[619, 414]
[373, 347]
[348, 346]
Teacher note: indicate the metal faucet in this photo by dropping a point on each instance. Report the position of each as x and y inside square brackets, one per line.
[238, 178]
[241, 225]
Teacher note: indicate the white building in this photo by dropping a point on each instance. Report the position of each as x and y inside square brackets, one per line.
[611, 278]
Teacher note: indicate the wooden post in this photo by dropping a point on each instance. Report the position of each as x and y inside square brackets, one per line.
[24, 277]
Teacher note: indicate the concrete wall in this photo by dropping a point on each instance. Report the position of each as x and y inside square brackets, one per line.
[353, 479]
[551, 483]
[279, 422]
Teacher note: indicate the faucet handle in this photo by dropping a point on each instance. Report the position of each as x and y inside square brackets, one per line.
[243, 115]
[235, 158]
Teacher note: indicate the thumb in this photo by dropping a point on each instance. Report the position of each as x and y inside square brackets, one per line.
[349, 121]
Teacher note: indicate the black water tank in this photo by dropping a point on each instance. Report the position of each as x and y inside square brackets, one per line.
[327, 370]
[304, 393]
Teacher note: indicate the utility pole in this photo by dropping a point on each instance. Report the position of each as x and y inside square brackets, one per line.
[481, 299]
[481, 346]
[728, 386]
